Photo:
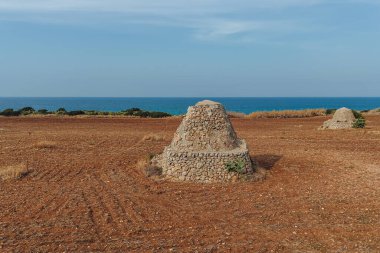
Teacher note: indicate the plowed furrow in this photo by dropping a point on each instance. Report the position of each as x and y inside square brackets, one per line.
[43, 206]
[130, 194]
[122, 210]
[75, 173]
[59, 209]
[42, 175]
[92, 216]
[59, 176]
[119, 212]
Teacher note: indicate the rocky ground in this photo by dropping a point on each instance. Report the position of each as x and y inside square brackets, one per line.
[86, 194]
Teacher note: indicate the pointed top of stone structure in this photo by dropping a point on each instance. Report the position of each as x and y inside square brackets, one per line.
[206, 127]
[207, 102]
[344, 115]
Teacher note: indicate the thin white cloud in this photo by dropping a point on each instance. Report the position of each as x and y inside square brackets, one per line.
[145, 5]
[208, 19]
[161, 7]
[241, 30]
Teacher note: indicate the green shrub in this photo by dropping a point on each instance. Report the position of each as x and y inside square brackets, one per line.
[144, 114]
[43, 111]
[61, 111]
[359, 120]
[132, 111]
[359, 123]
[235, 166]
[91, 112]
[74, 113]
[10, 112]
[96, 113]
[27, 110]
[158, 114]
[330, 111]
[357, 114]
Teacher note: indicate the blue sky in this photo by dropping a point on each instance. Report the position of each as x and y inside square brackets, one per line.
[213, 48]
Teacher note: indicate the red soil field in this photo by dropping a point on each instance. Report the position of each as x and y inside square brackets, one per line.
[85, 193]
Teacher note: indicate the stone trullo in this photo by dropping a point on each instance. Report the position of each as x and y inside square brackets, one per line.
[203, 146]
[343, 118]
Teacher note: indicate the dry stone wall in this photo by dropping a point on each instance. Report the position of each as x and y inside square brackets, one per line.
[203, 167]
[203, 145]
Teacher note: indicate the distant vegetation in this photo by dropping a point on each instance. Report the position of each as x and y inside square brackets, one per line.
[299, 114]
[137, 112]
[288, 114]
[330, 111]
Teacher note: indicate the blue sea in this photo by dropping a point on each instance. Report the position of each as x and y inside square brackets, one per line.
[180, 105]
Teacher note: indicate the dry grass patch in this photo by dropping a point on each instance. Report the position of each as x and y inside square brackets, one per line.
[288, 114]
[45, 145]
[150, 169]
[143, 163]
[373, 112]
[239, 115]
[13, 171]
[153, 137]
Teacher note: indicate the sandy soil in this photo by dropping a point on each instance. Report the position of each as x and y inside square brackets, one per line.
[85, 192]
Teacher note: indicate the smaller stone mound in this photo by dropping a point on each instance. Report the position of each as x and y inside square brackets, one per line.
[343, 119]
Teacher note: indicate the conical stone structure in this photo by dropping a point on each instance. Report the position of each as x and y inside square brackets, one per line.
[343, 118]
[203, 146]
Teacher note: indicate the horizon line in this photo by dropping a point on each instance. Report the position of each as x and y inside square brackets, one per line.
[194, 97]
